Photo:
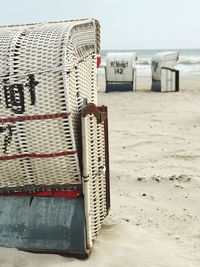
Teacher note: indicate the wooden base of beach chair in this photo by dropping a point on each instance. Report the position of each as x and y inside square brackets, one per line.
[43, 224]
[119, 87]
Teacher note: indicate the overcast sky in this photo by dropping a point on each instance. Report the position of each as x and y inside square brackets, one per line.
[126, 24]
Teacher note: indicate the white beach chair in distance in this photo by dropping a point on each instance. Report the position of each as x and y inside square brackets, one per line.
[54, 169]
[101, 78]
[120, 72]
[165, 78]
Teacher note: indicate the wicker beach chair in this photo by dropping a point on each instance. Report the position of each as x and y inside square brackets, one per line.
[119, 74]
[165, 78]
[54, 169]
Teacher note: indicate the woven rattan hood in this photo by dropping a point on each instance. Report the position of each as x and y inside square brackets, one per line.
[46, 70]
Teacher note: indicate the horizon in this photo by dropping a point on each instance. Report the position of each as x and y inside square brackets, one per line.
[131, 49]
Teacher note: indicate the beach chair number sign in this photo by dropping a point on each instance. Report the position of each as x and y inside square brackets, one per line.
[119, 66]
[119, 70]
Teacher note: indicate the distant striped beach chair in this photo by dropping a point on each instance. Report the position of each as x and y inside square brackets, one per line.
[54, 168]
[165, 78]
[119, 74]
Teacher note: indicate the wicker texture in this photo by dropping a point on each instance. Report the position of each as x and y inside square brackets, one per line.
[94, 175]
[46, 70]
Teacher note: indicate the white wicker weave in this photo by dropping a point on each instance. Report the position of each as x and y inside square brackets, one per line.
[94, 178]
[46, 70]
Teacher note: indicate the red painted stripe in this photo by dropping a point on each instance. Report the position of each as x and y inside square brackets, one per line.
[98, 60]
[34, 155]
[66, 194]
[35, 117]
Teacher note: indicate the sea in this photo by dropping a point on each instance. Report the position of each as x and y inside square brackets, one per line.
[188, 64]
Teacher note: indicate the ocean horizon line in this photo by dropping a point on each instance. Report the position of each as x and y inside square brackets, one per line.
[143, 49]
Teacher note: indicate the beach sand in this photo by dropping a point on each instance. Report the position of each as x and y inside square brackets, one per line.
[155, 183]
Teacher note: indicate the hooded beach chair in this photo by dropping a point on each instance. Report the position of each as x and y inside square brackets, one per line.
[54, 166]
[120, 72]
[165, 78]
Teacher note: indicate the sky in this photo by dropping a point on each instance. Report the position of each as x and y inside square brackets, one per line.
[125, 24]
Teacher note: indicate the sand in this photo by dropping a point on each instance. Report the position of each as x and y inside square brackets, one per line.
[155, 183]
